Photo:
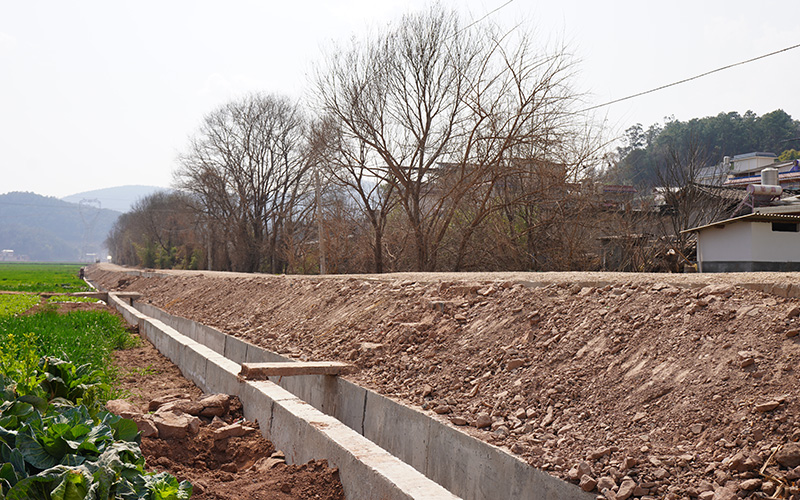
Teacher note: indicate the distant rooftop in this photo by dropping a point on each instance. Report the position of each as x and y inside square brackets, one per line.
[756, 154]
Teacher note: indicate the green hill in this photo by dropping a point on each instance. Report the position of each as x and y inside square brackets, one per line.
[47, 229]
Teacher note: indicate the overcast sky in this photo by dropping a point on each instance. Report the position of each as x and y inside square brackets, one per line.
[97, 94]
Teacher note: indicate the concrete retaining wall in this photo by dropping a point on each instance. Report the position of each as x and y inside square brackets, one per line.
[467, 467]
[301, 431]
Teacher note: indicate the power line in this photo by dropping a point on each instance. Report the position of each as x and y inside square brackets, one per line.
[689, 79]
[473, 23]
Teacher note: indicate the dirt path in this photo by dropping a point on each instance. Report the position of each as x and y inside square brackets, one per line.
[633, 385]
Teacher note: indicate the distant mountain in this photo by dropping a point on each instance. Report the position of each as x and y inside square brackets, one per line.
[48, 229]
[119, 198]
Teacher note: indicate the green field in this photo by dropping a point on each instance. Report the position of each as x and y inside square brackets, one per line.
[11, 304]
[41, 277]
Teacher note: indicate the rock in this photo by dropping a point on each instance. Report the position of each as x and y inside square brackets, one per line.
[742, 463]
[768, 487]
[696, 428]
[605, 482]
[156, 403]
[793, 332]
[789, 455]
[122, 408]
[661, 473]
[518, 448]
[442, 409]
[599, 453]
[183, 406]
[175, 425]
[426, 390]
[215, 405]
[458, 420]
[587, 483]
[767, 406]
[746, 362]
[629, 463]
[515, 363]
[725, 494]
[750, 484]
[483, 420]
[706, 495]
[233, 430]
[501, 431]
[793, 312]
[718, 290]
[146, 426]
[626, 489]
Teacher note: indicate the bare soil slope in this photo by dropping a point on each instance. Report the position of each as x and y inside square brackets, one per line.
[639, 388]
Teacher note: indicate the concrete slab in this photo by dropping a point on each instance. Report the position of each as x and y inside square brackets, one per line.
[235, 349]
[211, 337]
[400, 430]
[260, 371]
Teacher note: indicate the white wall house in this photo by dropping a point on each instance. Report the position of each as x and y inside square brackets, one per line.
[753, 242]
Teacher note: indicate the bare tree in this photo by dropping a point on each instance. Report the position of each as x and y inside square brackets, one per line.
[443, 113]
[247, 168]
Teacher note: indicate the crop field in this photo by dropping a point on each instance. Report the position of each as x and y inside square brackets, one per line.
[16, 303]
[41, 277]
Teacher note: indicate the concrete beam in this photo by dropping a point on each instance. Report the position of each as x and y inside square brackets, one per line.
[260, 371]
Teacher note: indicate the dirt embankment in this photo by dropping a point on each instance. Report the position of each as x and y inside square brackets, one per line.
[639, 388]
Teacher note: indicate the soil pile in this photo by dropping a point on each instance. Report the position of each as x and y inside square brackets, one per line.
[639, 388]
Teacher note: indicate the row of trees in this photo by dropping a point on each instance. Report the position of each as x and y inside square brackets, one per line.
[727, 134]
[432, 145]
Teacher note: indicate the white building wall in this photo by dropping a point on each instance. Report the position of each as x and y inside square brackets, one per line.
[774, 246]
[731, 243]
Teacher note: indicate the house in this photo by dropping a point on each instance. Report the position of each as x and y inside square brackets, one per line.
[754, 242]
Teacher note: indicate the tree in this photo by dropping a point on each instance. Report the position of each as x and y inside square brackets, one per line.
[440, 113]
[248, 171]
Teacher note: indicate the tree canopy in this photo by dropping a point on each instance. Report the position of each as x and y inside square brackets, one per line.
[727, 134]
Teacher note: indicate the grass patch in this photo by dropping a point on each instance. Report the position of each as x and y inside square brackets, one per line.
[71, 298]
[82, 337]
[41, 277]
[11, 304]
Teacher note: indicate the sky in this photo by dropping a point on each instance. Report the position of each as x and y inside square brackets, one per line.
[96, 94]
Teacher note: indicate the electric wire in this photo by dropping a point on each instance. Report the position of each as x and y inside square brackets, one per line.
[689, 79]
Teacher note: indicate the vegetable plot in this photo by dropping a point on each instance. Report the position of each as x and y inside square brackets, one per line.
[51, 447]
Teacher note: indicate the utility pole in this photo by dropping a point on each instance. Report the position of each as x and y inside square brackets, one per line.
[323, 267]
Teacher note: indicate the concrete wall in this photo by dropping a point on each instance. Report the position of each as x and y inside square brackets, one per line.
[467, 467]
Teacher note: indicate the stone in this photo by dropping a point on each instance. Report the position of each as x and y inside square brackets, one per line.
[232, 430]
[768, 487]
[789, 455]
[696, 428]
[483, 420]
[587, 483]
[175, 425]
[215, 405]
[122, 408]
[626, 489]
[629, 463]
[599, 453]
[442, 409]
[146, 426]
[718, 290]
[518, 448]
[426, 390]
[725, 494]
[458, 420]
[515, 363]
[183, 406]
[793, 312]
[750, 484]
[793, 332]
[706, 495]
[661, 473]
[605, 482]
[156, 403]
[767, 406]
[501, 431]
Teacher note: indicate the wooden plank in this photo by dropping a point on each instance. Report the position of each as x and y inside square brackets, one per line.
[260, 371]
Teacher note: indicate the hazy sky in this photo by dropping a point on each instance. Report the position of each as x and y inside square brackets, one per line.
[97, 94]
